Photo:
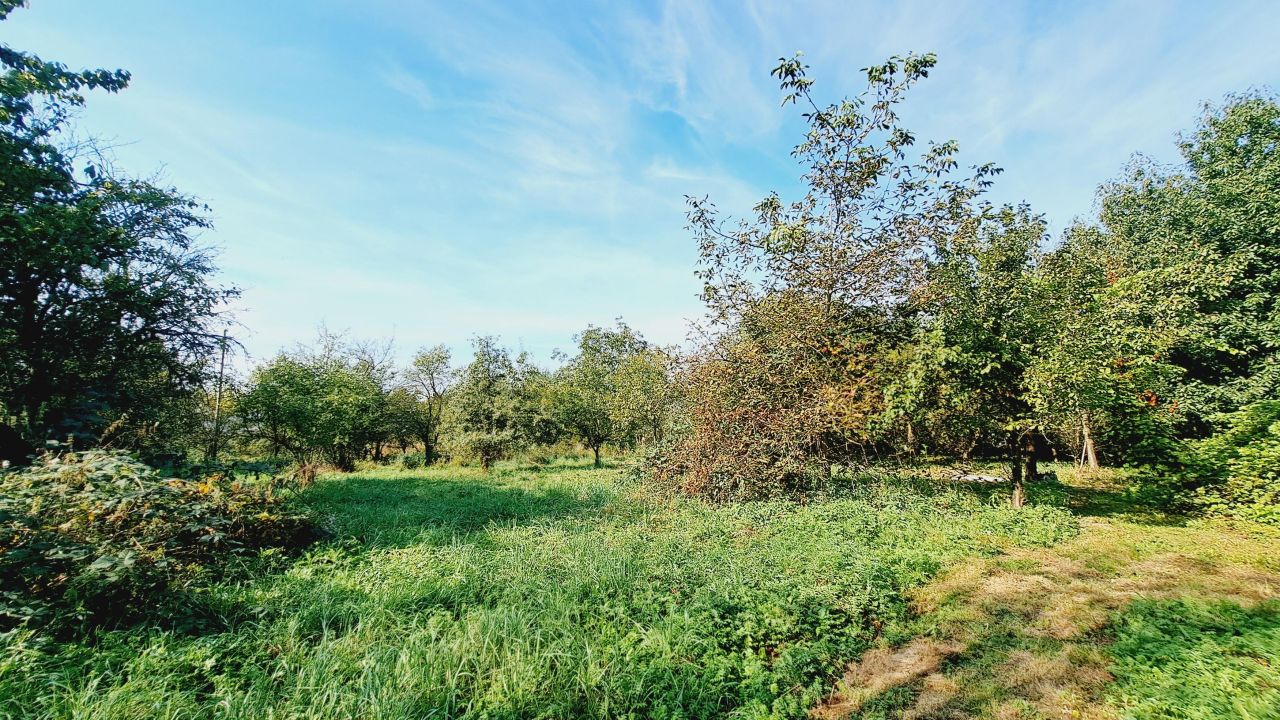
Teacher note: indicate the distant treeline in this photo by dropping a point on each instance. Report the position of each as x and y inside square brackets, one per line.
[341, 402]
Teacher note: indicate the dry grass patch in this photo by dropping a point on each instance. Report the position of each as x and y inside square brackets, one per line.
[1024, 635]
[881, 669]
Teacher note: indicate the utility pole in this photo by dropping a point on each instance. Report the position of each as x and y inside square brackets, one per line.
[217, 402]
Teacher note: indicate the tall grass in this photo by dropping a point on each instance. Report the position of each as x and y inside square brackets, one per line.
[555, 592]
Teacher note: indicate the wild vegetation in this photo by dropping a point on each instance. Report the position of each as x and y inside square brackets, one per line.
[556, 591]
[923, 459]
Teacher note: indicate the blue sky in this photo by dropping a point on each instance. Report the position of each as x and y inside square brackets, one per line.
[432, 171]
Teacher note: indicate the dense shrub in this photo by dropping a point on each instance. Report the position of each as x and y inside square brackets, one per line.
[96, 536]
[1240, 466]
[763, 412]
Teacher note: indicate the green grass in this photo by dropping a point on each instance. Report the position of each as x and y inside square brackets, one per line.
[1144, 615]
[1186, 660]
[534, 592]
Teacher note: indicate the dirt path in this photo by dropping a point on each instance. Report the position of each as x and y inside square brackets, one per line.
[1023, 635]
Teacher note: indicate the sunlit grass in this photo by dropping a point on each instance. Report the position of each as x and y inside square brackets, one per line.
[1143, 615]
[558, 591]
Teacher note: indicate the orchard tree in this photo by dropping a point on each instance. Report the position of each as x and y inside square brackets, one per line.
[537, 422]
[108, 310]
[486, 408]
[1165, 312]
[983, 308]
[804, 295]
[588, 387]
[1197, 257]
[645, 394]
[404, 418]
[1095, 373]
[429, 377]
[313, 405]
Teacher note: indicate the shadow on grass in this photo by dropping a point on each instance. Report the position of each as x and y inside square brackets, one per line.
[380, 511]
[1098, 494]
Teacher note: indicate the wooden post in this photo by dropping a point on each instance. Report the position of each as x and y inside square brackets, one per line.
[1090, 451]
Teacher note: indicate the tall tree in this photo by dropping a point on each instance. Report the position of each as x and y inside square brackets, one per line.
[983, 307]
[1165, 311]
[107, 307]
[429, 378]
[486, 407]
[1202, 245]
[804, 294]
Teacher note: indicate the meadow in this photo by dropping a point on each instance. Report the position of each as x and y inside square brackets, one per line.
[560, 590]
[762, 505]
[552, 591]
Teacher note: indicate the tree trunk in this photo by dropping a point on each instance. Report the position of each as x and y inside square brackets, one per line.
[1031, 450]
[596, 449]
[1090, 450]
[1016, 467]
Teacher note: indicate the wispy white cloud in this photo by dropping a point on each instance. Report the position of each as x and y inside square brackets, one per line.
[408, 84]
[439, 170]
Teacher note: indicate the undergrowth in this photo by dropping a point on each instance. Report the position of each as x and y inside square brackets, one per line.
[1195, 660]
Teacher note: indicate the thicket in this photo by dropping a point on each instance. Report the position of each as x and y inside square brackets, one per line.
[98, 538]
[891, 311]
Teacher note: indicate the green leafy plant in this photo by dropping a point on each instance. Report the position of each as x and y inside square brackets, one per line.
[1238, 469]
[83, 536]
[1190, 660]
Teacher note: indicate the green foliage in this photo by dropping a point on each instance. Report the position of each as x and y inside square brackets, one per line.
[34, 92]
[428, 380]
[325, 404]
[500, 405]
[1178, 286]
[644, 394]
[98, 536]
[607, 392]
[559, 591]
[1185, 660]
[1236, 472]
[811, 300]
[983, 311]
[107, 304]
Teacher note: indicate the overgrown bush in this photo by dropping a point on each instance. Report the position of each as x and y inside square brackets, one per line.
[1234, 473]
[1240, 466]
[765, 415]
[98, 536]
